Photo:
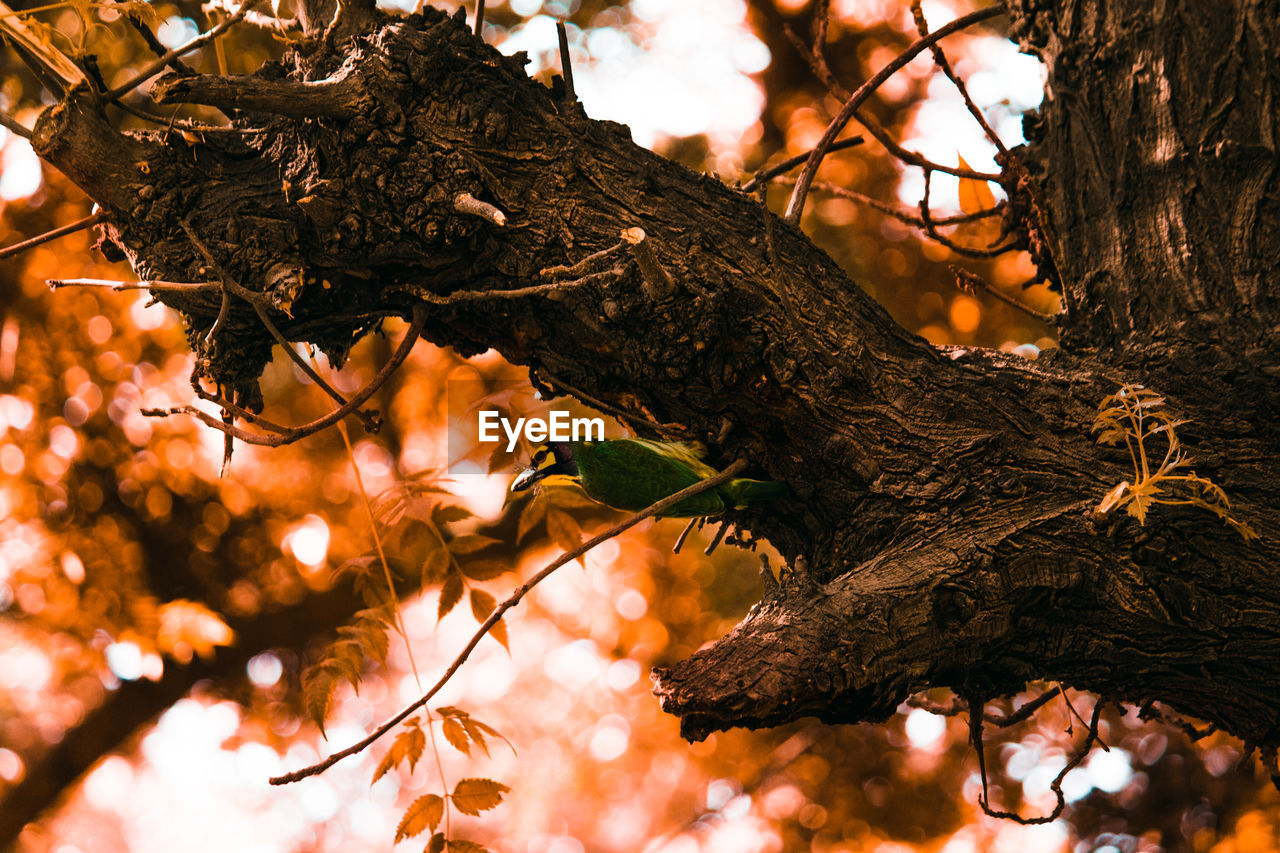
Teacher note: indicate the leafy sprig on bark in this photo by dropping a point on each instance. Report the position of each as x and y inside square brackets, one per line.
[1136, 415]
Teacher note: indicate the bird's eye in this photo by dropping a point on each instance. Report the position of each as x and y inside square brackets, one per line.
[539, 457]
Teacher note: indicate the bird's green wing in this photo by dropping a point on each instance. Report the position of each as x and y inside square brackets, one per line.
[631, 474]
[689, 453]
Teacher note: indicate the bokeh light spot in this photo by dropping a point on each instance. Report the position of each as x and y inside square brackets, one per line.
[965, 314]
[125, 660]
[264, 669]
[924, 729]
[309, 541]
[20, 172]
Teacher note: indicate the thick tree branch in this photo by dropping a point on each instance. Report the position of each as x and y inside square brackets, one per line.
[336, 97]
[940, 526]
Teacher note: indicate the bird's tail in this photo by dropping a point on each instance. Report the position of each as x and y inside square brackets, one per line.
[742, 491]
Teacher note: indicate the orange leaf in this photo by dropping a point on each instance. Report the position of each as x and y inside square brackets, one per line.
[457, 845]
[472, 796]
[451, 594]
[534, 511]
[482, 604]
[437, 563]
[563, 529]
[469, 543]
[486, 570]
[975, 195]
[317, 694]
[425, 813]
[456, 735]
[499, 633]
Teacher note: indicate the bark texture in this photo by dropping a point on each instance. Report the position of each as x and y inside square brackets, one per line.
[940, 531]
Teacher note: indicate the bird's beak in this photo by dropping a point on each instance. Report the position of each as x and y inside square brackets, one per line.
[527, 478]
[542, 465]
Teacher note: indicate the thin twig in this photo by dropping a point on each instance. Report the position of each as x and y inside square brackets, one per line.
[1150, 712]
[656, 282]
[582, 265]
[155, 45]
[898, 213]
[796, 204]
[931, 228]
[1004, 721]
[230, 408]
[653, 509]
[1066, 700]
[975, 738]
[223, 310]
[600, 404]
[15, 127]
[698, 520]
[160, 62]
[458, 296]
[715, 542]
[940, 59]
[818, 64]
[480, 18]
[771, 172]
[967, 280]
[79, 225]
[173, 120]
[566, 67]
[822, 17]
[144, 284]
[420, 315]
[912, 158]
[958, 706]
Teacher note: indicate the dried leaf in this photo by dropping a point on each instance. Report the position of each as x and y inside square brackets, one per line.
[317, 694]
[482, 604]
[501, 458]
[533, 513]
[415, 741]
[475, 730]
[563, 529]
[435, 567]
[423, 814]
[472, 796]
[499, 633]
[436, 844]
[451, 594]
[456, 734]
[458, 845]
[446, 513]
[409, 744]
[975, 195]
[384, 766]
[469, 543]
[486, 570]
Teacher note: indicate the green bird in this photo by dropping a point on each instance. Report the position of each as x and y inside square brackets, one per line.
[632, 473]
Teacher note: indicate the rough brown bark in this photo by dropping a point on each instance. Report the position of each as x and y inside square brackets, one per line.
[940, 530]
